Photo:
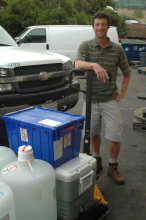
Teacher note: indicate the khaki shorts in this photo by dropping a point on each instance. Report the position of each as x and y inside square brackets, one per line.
[110, 113]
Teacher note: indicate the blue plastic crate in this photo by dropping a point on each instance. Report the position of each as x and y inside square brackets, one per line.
[54, 136]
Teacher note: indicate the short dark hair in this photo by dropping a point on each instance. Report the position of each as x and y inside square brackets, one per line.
[101, 14]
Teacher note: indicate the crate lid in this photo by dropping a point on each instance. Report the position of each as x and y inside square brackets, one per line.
[43, 118]
[75, 168]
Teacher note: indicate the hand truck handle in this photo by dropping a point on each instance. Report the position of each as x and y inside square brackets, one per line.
[82, 70]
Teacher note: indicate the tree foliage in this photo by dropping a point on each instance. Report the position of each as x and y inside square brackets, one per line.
[3, 3]
[19, 14]
[118, 21]
[91, 6]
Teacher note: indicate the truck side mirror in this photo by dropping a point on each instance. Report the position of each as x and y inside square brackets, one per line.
[18, 40]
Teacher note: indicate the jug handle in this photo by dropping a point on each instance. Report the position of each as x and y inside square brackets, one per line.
[31, 168]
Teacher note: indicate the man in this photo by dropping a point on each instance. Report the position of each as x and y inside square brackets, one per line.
[100, 54]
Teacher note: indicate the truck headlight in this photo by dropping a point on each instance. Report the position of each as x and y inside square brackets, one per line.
[6, 87]
[67, 67]
[4, 73]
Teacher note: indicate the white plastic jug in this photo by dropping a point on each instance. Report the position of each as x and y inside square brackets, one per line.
[33, 185]
[7, 209]
[6, 156]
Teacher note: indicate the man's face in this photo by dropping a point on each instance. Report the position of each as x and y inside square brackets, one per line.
[100, 27]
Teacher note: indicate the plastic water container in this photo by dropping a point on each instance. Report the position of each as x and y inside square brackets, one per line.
[33, 184]
[7, 208]
[6, 156]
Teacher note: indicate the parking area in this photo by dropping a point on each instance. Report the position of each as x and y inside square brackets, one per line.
[128, 201]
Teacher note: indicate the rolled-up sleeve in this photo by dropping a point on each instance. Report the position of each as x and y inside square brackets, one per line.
[81, 52]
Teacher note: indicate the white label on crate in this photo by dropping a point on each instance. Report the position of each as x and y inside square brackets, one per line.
[57, 145]
[67, 140]
[49, 122]
[9, 169]
[23, 132]
[126, 49]
[140, 49]
[6, 217]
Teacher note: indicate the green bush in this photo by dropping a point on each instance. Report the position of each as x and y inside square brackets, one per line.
[138, 13]
[118, 21]
[19, 14]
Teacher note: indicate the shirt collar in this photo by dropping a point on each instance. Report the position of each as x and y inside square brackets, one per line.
[95, 44]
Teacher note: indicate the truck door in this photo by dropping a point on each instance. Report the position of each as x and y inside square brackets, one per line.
[36, 38]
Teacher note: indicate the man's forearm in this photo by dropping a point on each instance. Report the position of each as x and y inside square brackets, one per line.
[125, 83]
[83, 65]
[120, 95]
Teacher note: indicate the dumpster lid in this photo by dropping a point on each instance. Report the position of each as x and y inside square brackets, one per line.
[132, 41]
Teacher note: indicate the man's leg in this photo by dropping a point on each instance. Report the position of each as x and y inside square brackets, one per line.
[95, 142]
[114, 149]
[95, 128]
[113, 129]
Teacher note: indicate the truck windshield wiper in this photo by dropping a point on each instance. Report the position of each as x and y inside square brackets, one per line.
[4, 44]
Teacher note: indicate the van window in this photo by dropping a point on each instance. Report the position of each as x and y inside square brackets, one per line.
[36, 36]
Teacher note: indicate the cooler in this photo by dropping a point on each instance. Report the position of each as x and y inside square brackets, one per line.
[54, 136]
[75, 182]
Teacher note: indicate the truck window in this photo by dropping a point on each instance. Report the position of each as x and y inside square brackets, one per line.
[23, 32]
[36, 36]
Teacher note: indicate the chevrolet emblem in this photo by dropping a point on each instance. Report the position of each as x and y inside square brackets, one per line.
[44, 75]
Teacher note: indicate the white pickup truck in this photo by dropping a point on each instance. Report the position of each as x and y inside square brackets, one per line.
[33, 78]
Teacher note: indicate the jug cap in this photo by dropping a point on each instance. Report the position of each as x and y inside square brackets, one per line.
[25, 153]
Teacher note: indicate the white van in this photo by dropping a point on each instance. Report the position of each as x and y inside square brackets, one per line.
[62, 39]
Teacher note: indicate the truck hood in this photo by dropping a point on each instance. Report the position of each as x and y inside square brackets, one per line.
[15, 56]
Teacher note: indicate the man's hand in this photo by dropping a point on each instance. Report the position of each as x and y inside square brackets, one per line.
[101, 73]
[119, 96]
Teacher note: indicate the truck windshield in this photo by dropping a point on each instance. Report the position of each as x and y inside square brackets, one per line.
[6, 39]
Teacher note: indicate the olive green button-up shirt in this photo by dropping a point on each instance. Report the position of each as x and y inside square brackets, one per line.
[110, 58]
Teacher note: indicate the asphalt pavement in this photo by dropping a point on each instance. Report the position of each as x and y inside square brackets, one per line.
[129, 200]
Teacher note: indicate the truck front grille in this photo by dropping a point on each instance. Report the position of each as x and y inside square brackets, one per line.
[38, 85]
[36, 69]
